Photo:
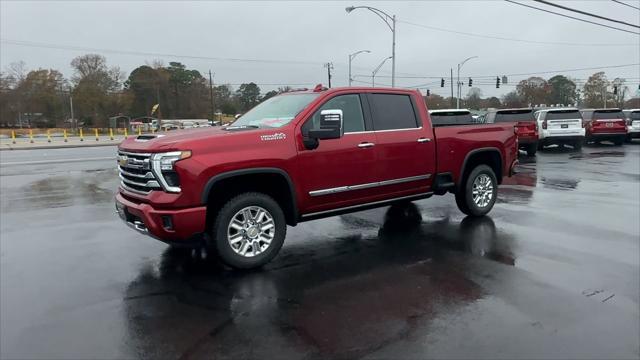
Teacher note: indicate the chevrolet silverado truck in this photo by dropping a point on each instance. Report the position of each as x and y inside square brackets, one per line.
[299, 156]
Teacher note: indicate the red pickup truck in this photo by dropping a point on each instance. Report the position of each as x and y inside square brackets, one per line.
[299, 156]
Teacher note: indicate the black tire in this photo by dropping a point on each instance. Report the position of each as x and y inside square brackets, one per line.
[464, 195]
[577, 145]
[619, 141]
[540, 146]
[628, 139]
[219, 231]
[531, 150]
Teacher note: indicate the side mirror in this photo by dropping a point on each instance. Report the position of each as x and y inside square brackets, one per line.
[330, 125]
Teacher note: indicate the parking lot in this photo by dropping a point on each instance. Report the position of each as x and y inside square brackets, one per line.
[553, 272]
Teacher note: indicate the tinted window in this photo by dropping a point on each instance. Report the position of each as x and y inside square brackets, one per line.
[613, 114]
[392, 111]
[514, 115]
[635, 115]
[352, 118]
[563, 115]
[443, 118]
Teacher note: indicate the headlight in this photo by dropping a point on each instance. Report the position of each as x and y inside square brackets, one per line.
[163, 168]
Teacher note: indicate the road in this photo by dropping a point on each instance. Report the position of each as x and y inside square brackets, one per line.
[554, 272]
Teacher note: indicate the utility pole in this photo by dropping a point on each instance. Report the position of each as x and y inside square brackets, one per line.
[73, 119]
[451, 87]
[211, 94]
[329, 67]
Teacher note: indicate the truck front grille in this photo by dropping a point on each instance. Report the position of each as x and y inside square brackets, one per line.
[135, 172]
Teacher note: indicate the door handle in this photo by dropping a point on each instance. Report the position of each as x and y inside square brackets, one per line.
[365, 145]
[424, 140]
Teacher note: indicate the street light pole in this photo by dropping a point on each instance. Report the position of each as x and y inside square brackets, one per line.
[459, 87]
[374, 72]
[351, 57]
[391, 23]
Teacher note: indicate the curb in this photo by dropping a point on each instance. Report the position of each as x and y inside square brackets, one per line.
[44, 147]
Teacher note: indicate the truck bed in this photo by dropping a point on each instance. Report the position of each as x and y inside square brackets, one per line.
[455, 142]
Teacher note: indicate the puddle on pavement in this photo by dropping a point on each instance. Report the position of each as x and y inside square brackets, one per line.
[560, 183]
[596, 155]
[92, 187]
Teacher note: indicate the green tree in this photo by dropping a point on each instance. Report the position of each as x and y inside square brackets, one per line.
[269, 94]
[562, 91]
[513, 100]
[595, 90]
[41, 91]
[492, 102]
[533, 91]
[248, 96]
[474, 99]
[96, 89]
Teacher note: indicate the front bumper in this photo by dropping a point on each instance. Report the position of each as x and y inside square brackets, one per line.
[181, 227]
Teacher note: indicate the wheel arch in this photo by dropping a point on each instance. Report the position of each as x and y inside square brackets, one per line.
[275, 182]
[489, 156]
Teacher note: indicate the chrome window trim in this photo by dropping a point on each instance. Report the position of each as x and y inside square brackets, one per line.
[367, 204]
[381, 131]
[341, 189]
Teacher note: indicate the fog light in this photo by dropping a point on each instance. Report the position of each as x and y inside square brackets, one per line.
[167, 222]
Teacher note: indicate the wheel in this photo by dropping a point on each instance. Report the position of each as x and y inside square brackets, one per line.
[628, 139]
[618, 141]
[478, 195]
[540, 146]
[577, 145]
[531, 149]
[249, 230]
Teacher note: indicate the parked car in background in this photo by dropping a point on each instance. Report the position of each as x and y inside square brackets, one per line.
[446, 117]
[560, 126]
[525, 123]
[605, 124]
[633, 123]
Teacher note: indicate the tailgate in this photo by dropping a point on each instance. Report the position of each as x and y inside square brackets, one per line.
[564, 124]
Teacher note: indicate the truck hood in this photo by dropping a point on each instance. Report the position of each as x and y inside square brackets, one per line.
[209, 137]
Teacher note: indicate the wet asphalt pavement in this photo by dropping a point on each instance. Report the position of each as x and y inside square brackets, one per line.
[553, 272]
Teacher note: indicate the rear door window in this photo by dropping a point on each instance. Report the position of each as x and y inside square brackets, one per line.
[392, 111]
[444, 118]
[608, 114]
[635, 115]
[514, 116]
[563, 115]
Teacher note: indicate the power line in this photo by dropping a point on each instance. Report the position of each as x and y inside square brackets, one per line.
[572, 17]
[510, 39]
[586, 13]
[625, 4]
[141, 53]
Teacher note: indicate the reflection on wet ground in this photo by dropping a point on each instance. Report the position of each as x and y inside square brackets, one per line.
[92, 187]
[364, 296]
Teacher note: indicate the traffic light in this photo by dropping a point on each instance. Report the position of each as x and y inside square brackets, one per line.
[428, 92]
[442, 82]
[470, 82]
[497, 82]
[615, 89]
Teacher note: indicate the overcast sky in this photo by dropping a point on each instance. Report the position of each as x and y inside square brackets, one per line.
[298, 37]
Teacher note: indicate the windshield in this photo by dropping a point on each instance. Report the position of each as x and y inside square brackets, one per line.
[514, 115]
[275, 112]
[608, 114]
[564, 115]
